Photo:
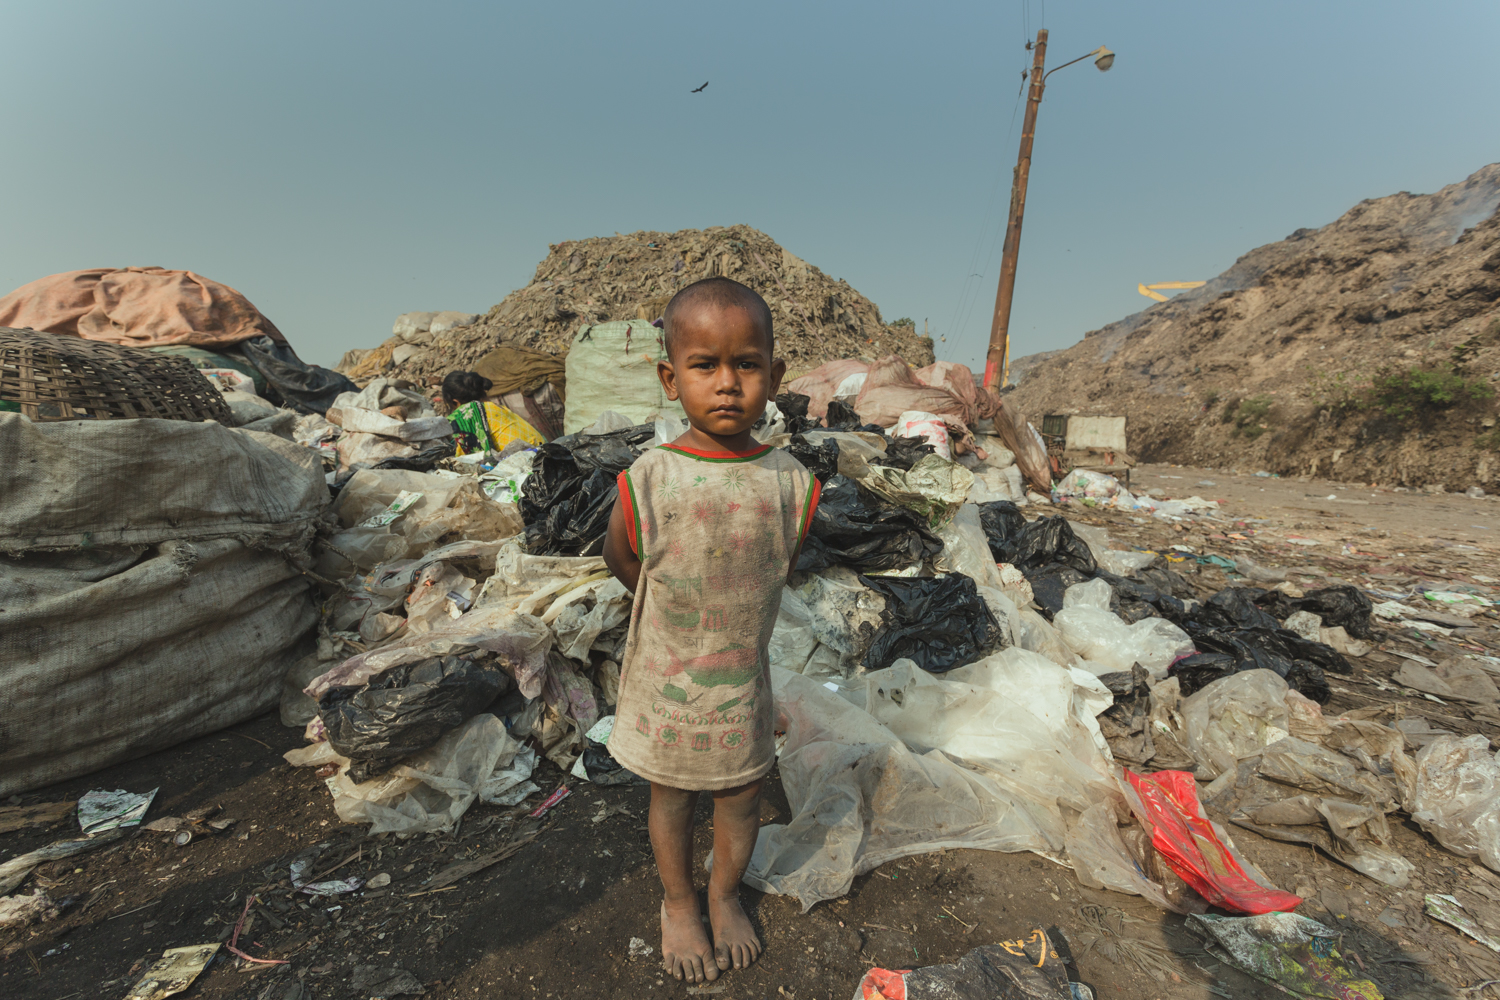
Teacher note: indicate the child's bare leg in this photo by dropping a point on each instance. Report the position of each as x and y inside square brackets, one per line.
[685, 949]
[736, 823]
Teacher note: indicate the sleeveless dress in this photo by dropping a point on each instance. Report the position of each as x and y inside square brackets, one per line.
[716, 533]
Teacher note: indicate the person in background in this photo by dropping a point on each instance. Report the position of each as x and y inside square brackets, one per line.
[478, 424]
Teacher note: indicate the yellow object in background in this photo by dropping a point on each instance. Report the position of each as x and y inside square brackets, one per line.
[1150, 291]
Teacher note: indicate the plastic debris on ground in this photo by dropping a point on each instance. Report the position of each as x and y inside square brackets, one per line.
[1293, 953]
[1027, 968]
[1197, 849]
[854, 528]
[173, 973]
[1450, 911]
[595, 763]
[407, 708]
[1009, 718]
[430, 790]
[1457, 796]
[567, 499]
[101, 811]
[940, 623]
[934, 487]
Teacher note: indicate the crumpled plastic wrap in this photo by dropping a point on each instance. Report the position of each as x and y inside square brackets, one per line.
[1457, 796]
[1235, 717]
[1100, 636]
[429, 791]
[866, 787]
[934, 487]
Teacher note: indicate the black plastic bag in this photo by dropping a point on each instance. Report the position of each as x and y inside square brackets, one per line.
[939, 622]
[613, 452]
[1338, 606]
[408, 708]
[1149, 594]
[841, 416]
[793, 409]
[855, 528]
[570, 494]
[902, 453]
[602, 768]
[1002, 521]
[575, 522]
[1047, 540]
[423, 461]
[822, 461]
[1234, 608]
[1286, 653]
[1049, 583]
[305, 388]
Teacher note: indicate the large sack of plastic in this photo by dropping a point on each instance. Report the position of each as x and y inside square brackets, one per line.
[868, 786]
[958, 380]
[891, 388]
[612, 366]
[151, 573]
[842, 379]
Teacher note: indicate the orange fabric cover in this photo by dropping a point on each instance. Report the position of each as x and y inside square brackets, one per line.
[137, 307]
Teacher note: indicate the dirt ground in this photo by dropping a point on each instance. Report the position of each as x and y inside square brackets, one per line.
[557, 918]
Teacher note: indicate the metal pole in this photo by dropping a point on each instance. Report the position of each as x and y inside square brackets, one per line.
[997, 361]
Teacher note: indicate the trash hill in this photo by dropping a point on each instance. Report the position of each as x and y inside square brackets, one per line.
[625, 277]
[1366, 350]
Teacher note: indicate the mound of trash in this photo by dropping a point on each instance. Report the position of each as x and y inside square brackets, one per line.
[597, 280]
[1364, 350]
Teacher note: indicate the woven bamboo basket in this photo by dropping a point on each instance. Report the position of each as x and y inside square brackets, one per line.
[49, 376]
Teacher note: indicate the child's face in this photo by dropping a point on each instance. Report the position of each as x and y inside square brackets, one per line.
[721, 369]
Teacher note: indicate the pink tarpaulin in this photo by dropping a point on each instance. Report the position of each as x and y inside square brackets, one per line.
[137, 307]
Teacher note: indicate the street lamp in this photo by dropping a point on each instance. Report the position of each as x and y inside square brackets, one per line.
[997, 361]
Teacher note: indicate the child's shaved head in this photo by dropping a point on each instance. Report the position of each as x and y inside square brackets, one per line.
[719, 293]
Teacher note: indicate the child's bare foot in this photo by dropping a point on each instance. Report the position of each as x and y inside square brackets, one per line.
[685, 950]
[735, 943]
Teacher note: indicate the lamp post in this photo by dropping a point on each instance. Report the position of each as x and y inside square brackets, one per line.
[997, 361]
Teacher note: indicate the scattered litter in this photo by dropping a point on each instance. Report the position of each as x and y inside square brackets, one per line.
[173, 973]
[1450, 911]
[640, 949]
[1291, 952]
[562, 792]
[463, 869]
[1196, 848]
[1027, 968]
[14, 871]
[101, 811]
[379, 881]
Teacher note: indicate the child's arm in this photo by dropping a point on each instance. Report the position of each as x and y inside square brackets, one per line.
[622, 562]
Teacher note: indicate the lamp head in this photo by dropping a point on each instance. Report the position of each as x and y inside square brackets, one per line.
[1103, 58]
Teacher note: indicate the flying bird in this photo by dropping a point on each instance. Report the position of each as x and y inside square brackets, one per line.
[699, 90]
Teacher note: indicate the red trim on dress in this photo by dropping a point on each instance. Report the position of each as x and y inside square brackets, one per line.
[623, 486]
[717, 454]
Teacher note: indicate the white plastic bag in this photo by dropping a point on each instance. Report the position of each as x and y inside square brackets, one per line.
[928, 426]
[1100, 636]
[1457, 796]
[1233, 717]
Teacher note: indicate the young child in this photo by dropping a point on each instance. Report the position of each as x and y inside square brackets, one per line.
[706, 532]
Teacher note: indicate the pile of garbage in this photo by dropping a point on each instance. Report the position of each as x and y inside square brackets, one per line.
[947, 671]
[631, 277]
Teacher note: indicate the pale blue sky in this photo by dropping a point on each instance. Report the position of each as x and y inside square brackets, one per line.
[341, 163]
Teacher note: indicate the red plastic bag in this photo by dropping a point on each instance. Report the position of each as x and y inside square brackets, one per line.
[1186, 840]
